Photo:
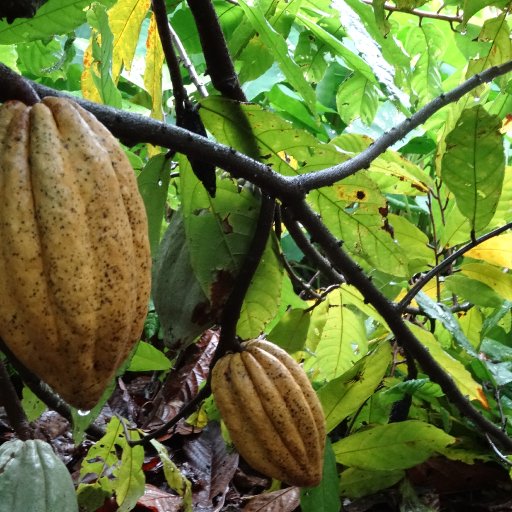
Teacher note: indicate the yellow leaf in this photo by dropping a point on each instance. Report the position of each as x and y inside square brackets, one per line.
[153, 71]
[125, 19]
[493, 277]
[497, 250]
[456, 369]
[89, 90]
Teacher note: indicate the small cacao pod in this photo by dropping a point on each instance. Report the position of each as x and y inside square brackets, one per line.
[272, 413]
[33, 478]
[74, 253]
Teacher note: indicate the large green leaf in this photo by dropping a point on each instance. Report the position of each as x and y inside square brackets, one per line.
[355, 482]
[343, 395]
[473, 165]
[274, 41]
[261, 302]
[355, 211]
[102, 48]
[425, 44]
[218, 231]
[153, 183]
[183, 308]
[343, 341]
[391, 447]
[54, 17]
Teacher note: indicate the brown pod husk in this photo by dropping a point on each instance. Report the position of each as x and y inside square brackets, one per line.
[74, 251]
[272, 413]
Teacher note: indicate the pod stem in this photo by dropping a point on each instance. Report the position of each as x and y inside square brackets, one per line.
[12, 404]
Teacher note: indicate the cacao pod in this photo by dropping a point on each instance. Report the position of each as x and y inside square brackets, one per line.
[74, 253]
[33, 478]
[272, 413]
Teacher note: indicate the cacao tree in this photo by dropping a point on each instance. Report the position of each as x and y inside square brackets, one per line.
[330, 179]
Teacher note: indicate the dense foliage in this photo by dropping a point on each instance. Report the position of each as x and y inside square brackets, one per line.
[382, 133]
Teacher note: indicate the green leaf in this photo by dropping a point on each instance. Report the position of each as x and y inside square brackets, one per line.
[473, 165]
[324, 497]
[173, 476]
[183, 308]
[343, 395]
[292, 330]
[494, 277]
[343, 340]
[355, 483]
[129, 480]
[441, 312]
[354, 210]
[53, 17]
[32, 406]
[357, 97]
[275, 42]
[153, 183]
[426, 45]
[102, 47]
[351, 58]
[261, 302]
[391, 447]
[218, 230]
[465, 382]
[390, 63]
[148, 358]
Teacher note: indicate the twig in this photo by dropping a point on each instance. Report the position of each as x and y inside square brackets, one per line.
[425, 278]
[298, 282]
[420, 13]
[355, 276]
[187, 63]
[322, 263]
[331, 175]
[11, 402]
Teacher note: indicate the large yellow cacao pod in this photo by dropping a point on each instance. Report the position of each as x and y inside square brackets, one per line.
[272, 413]
[74, 252]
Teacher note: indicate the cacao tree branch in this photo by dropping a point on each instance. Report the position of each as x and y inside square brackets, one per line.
[329, 176]
[12, 405]
[354, 275]
[219, 64]
[178, 89]
[425, 278]
[134, 128]
[15, 87]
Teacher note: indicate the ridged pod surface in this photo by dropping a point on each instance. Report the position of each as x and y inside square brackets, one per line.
[74, 253]
[272, 413]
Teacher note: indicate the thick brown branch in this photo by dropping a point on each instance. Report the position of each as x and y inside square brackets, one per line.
[218, 61]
